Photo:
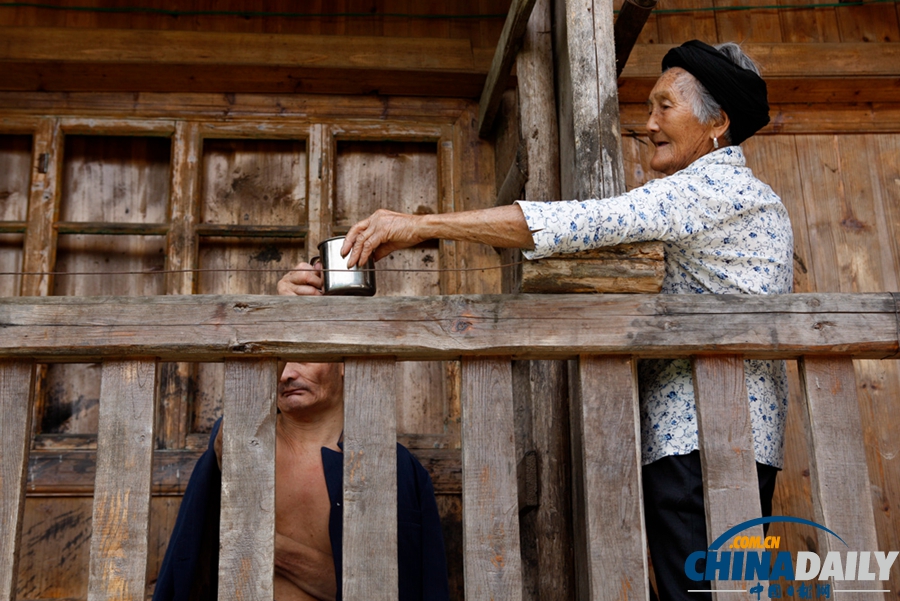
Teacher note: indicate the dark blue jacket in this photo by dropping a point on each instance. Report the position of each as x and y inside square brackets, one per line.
[190, 568]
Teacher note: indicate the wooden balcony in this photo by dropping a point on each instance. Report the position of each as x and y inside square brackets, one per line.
[603, 334]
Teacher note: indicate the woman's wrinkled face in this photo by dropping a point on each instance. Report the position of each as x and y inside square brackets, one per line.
[676, 134]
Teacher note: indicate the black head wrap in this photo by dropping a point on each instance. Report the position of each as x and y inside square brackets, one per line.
[740, 92]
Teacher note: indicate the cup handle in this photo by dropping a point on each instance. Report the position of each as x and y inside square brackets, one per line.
[314, 260]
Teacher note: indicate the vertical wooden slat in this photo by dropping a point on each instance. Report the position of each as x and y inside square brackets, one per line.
[492, 562]
[43, 205]
[841, 489]
[321, 168]
[16, 388]
[121, 517]
[610, 539]
[589, 132]
[370, 481]
[730, 483]
[247, 526]
[181, 254]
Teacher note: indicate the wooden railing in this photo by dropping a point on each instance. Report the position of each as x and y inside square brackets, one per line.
[604, 333]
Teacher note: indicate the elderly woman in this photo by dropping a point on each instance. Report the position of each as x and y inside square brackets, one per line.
[725, 232]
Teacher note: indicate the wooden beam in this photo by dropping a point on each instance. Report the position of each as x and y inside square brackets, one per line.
[626, 268]
[606, 432]
[16, 393]
[70, 472]
[511, 189]
[145, 47]
[370, 480]
[841, 488]
[491, 555]
[121, 518]
[70, 59]
[730, 484]
[43, 206]
[589, 134]
[247, 525]
[630, 22]
[211, 328]
[504, 56]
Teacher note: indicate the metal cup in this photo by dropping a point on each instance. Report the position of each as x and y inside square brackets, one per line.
[339, 279]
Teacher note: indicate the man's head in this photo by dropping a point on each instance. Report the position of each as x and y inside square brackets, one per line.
[309, 388]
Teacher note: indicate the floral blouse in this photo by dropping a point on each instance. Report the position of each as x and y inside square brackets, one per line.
[725, 232]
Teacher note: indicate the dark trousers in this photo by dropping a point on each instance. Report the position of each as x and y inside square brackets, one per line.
[676, 523]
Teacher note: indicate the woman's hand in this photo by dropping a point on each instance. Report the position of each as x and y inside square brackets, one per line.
[381, 234]
[303, 280]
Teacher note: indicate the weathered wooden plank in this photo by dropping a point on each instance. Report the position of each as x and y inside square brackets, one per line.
[841, 489]
[281, 111]
[321, 152]
[16, 388]
[504, 56]
[247, 526]
[136, 47]
[610, 552]
[590, 144]
[118, 127]
[43, 201]
[118, 564]
[490, 491]
[627, 268]
[730, 484]
[70, 473]
[632, 17]
[370, 480]
[209, 328]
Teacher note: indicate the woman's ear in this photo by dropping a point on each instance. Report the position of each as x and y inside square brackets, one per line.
[721, 124]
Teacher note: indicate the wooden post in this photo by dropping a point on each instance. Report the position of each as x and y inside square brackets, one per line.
[43, 206]
[491, 556]
[16, 389]
[370, 481]
[632, 17]
[507, 48]
[841, 489]
[321, 152]
[121, 520]
[247, 526]
[606, 478]
[589, 131]
[727, 456]
[181, 254]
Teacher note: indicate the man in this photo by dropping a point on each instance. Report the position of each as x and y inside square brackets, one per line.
[308, 496]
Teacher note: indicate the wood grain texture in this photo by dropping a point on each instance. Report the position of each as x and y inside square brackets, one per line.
[247, 526]
[627, 268]
[610, 552]
[727, 456]
[16, 388]
[590, 145]
[370, 480]
[841, 490]
[118, 564]
[135, 47]
[504, 57]
[490, 493]
[209, 328]
[39, 253]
